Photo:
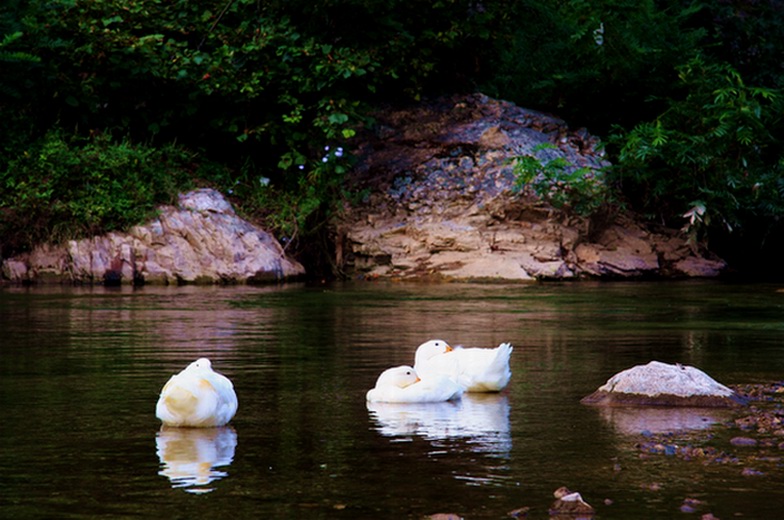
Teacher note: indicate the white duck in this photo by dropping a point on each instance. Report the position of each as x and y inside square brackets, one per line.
[475, 369]
[197, 397]
[402, 385]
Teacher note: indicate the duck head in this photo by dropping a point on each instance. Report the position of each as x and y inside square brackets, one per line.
[200, 364]
[431, 348]
[400, 377]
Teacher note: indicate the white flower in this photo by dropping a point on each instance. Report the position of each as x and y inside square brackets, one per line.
[598, 34]
[695, 213]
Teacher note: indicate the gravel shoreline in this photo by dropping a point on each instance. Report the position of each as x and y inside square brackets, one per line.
[752, 438]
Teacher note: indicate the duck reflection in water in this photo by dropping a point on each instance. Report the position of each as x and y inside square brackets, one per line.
[190, 457]
[480, 419]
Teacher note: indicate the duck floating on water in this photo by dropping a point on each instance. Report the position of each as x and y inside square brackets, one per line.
[197, 397]
[403, 385]
[474, 369]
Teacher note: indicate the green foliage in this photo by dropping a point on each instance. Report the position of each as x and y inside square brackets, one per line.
[63, 188]
[264, 87]
[260, 86]
[556, 181]
[11, 56]
[294, 212]
[288, 77]
[742, 33]
[593, 63]
[713, 157]
[705, 145]
[15, 81]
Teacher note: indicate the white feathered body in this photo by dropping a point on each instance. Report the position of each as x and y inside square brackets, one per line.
[402, 385]
[474, 369]
[197, 397]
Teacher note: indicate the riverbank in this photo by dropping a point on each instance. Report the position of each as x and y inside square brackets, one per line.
[443, 200]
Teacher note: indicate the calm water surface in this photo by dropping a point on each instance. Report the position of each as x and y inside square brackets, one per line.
[81, 369]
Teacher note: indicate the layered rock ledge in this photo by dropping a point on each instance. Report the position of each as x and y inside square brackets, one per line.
[201, 240]
[442, 203]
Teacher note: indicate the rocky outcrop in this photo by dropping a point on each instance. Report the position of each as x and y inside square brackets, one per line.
[662, 384]
[202, 240]
[442, 202]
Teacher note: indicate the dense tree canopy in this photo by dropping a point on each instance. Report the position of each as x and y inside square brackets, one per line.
[108, 107]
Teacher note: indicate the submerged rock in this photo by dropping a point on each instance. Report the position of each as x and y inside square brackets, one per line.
[743, 441]
[633, 420]
[520, 512]
[202, 240]
[691, 505]
[570, 504]
[662, 384]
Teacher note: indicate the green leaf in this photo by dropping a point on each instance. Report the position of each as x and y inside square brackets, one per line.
[114, 19]
[337, 118]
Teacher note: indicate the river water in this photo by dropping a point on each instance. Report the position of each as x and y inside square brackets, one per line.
[82, 368]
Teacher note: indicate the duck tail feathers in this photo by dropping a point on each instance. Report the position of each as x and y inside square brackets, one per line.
[505, 350]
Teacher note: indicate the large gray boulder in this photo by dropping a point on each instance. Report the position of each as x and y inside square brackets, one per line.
[201, 240]
[662, 384]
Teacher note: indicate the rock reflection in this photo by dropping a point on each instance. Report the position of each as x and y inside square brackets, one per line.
[190, 456]
[482, 420]
[636, 420]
